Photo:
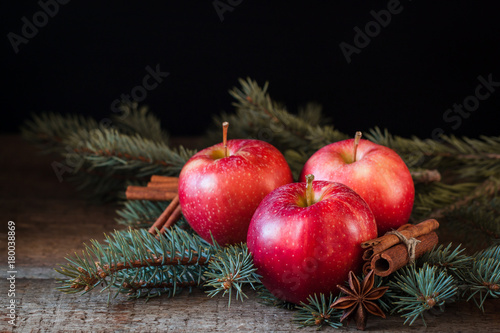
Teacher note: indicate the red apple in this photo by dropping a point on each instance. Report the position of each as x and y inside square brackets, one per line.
[218, 195]
[377, 173]
[302, 246]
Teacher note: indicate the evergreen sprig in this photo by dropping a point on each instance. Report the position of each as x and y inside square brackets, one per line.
[102, 158]
[419, 290]
[118, 152]
[317, 312]
[258, 116]
[444, 258]
[482, 279]
[138, 120]
[49, 130]
[477, 223]
[230, 270]
[136, 262]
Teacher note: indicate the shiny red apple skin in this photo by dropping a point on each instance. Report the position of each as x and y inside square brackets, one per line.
[300, 250]
[379, 175]
[219, 195]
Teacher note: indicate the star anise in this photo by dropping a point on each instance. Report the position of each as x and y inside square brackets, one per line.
[359, 299]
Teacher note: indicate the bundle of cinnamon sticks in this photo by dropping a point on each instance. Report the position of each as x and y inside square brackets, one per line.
[386, 254]
[159, 188]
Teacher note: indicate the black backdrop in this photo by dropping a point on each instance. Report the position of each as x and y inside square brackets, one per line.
[427, 58]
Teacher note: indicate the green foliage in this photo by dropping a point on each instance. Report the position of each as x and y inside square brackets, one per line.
[419, 290]
[444, 258]
[230, 269]
[258, 116]
[482, 280]
[138, 263]
[49, 130]
[317, 312]
[102, 158]
[477, 223]
[138, 120]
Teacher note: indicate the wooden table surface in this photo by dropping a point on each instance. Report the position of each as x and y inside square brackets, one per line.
[52, 220]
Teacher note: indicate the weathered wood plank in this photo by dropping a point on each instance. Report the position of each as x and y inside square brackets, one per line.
[43, 308]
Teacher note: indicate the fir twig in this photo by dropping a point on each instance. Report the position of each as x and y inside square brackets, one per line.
[230, 269]
[135, 257]
[486, 188]
[138, 120]
[444, 258]
[317, 312]
[482, 280]
[258, 116]
[419, 290]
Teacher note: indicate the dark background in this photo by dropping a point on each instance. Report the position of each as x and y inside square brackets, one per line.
[424, 61]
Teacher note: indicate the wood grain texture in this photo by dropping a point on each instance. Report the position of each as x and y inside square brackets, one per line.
[54, 221]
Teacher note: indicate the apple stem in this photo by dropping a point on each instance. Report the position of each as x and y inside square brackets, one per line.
[357, 137]
[225, 125]
[309, 190]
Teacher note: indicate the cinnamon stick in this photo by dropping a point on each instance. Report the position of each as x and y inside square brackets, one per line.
[377, 245]
[176, 215]
[368, 254]
[172, 186]
[367, 266]
[163, 179]
[160, 221]
[389, 261]
[149, 193]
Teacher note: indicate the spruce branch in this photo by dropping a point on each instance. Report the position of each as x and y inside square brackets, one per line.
[230, 269]
[434, 199]
[112, 149]
[258, 116]
[487, 188]
[138, 120]
[444, 258]
[135, 257]
[49, 130]
[480, 215]
[316, 311]
[429, 153]
[110, 160]
[156, 281]
[419, 290]
[482, 280]
[102, 158]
